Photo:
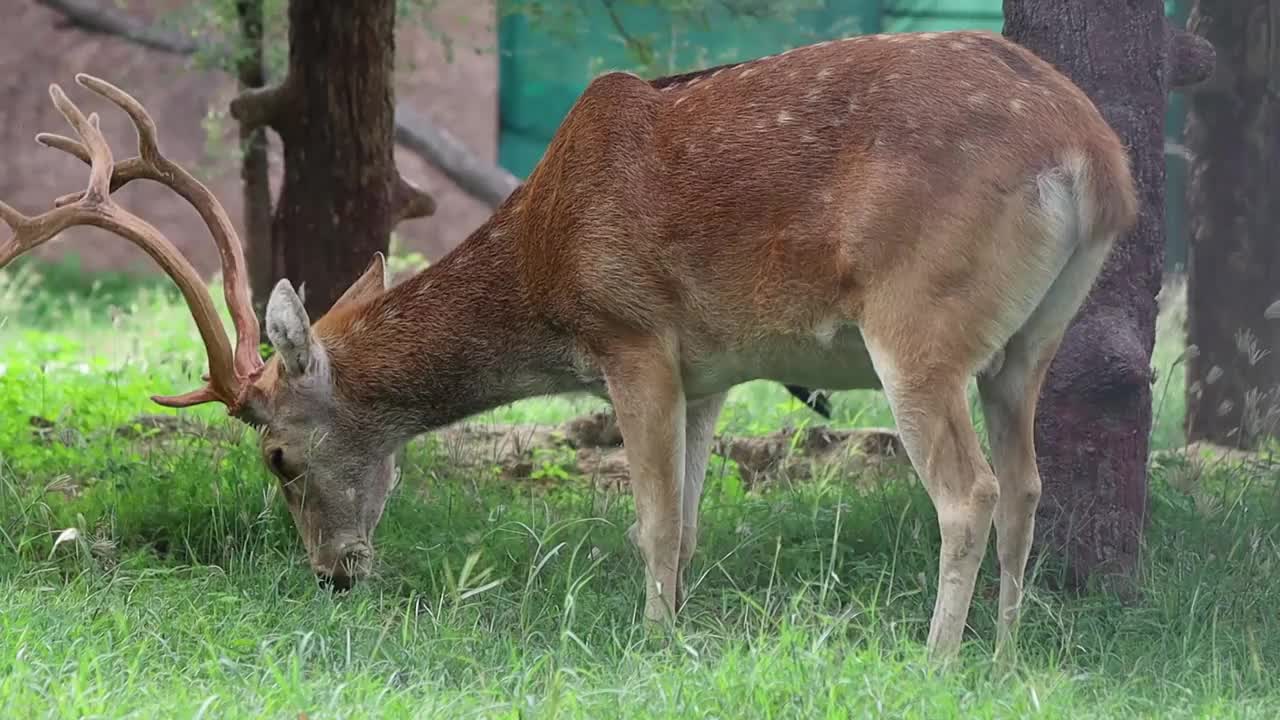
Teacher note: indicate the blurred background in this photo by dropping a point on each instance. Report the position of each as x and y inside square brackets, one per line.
[497, 76]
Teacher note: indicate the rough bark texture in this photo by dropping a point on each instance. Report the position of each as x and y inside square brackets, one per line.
[254, 165]
[335, 208]
[1095, 411]
[1233, 132]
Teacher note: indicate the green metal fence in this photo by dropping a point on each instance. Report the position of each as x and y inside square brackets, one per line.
[546, 62]
[547, 58]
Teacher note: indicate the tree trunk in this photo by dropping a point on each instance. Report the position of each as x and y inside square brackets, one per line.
[254, 164]
[335, 114]
[1233, 132]
[1094, 414]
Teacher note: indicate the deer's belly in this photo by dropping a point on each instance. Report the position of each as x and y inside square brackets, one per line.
[837, 360]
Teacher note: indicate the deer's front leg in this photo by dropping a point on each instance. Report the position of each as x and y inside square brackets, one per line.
[644, 386]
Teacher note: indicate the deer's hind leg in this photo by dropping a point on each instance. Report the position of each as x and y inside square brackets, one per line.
[700, 429]
[1008, 405]
[930, 407]
[1009, 396]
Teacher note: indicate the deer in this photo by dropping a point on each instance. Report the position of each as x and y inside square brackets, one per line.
[904, 213]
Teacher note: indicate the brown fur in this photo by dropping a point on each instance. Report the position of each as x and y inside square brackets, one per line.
[684, 235]
[890, 211]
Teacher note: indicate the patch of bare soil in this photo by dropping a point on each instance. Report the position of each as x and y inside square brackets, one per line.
[150, 430]
[590, 446]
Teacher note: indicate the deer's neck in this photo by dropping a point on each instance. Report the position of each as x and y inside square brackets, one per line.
[458, 339]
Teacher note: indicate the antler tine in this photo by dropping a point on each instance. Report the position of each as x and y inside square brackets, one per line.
[235, 278]
[17, 222]
[95, 207]
[224, 383]
[30, 232]
[101, 163]
[148, 144]
[153, 165]
[122, 174]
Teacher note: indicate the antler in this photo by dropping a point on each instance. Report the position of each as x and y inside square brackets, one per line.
[230, 375]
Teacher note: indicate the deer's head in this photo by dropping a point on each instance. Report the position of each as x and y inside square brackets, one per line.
[334, 472]
[334, 467]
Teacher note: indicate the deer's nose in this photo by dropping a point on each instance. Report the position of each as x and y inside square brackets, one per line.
[345, 564]
[339, 582]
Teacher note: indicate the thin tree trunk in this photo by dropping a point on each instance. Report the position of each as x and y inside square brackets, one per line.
[1094, 414]
[255, 166]
[336, 118]
[1233, 132]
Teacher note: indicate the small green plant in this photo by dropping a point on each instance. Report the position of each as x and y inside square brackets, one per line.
[552, 463]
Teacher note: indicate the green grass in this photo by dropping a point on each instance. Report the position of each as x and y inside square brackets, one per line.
[185, 593]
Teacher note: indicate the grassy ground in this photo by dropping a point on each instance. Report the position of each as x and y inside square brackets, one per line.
[184, 592]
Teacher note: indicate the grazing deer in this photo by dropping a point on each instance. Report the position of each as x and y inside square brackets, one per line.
[901, 212]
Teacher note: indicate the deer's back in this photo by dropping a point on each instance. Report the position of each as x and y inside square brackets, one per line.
[767, 195]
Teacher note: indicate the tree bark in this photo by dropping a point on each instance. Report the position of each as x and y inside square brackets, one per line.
[254, 164]
[337, 123]
[1233, 132]
[1094, 414]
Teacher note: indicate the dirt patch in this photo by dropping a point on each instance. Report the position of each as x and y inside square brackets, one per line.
[591, 446]
[152, 431]
[810, 453]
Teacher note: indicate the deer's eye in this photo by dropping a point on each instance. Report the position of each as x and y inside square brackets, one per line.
[276, 459]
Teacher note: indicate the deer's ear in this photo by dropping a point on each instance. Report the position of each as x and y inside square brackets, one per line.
[373, 281]
[289, 330]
